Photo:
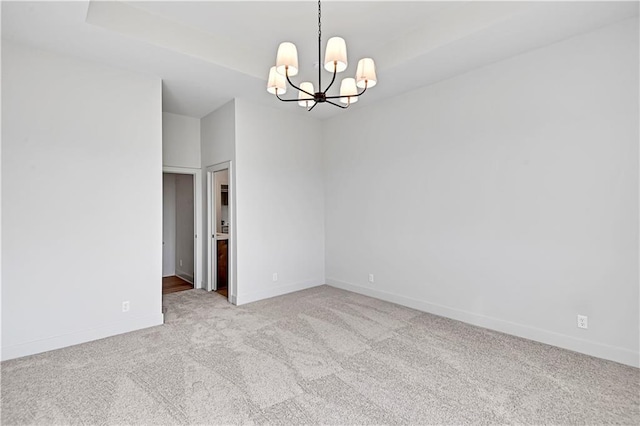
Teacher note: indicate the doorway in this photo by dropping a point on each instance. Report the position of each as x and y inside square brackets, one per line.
[179, 231]
[220, 213]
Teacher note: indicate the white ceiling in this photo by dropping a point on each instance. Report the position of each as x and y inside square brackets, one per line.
[210, 52]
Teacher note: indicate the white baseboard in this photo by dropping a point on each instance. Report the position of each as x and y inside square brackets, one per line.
[588, 347]
[64, 340]
[185, 276]
[276, 291]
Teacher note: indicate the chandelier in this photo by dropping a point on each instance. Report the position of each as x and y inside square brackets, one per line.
[335, 61]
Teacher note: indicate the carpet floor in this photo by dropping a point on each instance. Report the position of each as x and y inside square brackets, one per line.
[320, 356]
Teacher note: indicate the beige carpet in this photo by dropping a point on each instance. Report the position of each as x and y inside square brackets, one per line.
[317, 356]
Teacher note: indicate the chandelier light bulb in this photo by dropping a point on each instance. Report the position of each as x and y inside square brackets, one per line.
[348, 90]
[366, 73]
[336, 55]
[305, 100]
[287, 59]
[276, 83]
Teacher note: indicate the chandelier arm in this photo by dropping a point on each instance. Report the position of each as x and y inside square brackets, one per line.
[338, 105]
[350, 96]
[286, 100]
[296, 87]
[312, 106]
[335, 71]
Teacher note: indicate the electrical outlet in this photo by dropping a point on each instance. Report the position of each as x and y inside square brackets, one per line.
[583, 321]
[371, 278]
[125, 306]
[275, 276]
[180, 262]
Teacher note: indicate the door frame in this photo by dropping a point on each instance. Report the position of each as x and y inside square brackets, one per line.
[212, 266]
[197, 219]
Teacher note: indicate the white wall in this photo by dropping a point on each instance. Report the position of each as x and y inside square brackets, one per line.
[218, 135]
[168, 224]
[1, 219]
[218, 145]
[184, 226]
[180, 141]
[279, 200]
[81, 199]
[506, 197]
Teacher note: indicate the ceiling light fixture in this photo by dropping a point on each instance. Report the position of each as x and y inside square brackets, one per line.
[335, 61]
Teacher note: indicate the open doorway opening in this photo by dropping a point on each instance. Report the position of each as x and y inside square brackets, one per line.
[220, 224]
[221, 186]
[178, 232]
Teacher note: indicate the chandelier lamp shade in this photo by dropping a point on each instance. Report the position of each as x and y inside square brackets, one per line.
[335, 61]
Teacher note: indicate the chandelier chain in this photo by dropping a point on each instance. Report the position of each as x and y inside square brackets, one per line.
[319, 46]
[319, 20]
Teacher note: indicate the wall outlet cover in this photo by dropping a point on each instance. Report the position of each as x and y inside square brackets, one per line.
[583, 321]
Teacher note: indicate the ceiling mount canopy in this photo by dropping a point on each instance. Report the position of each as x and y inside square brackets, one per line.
[335, 61]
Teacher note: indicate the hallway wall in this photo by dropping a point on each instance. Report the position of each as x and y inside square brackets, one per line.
[168, 224]
[184, 260]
